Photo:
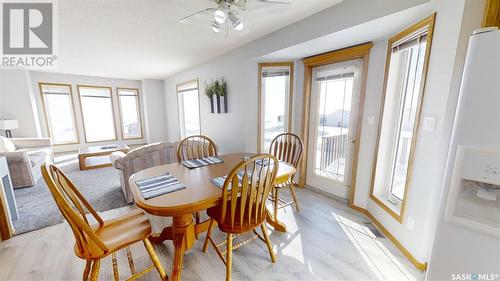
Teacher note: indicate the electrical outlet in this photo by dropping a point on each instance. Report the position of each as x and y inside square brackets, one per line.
[429, 124]
[409, 223]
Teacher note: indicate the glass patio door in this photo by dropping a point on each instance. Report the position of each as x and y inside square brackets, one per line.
[335, 99]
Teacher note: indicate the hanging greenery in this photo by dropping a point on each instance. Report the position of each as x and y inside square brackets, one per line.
[216, 90]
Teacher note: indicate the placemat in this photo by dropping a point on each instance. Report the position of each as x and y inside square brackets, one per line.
[159, 185]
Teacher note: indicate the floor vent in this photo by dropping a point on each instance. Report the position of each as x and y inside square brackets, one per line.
[374, 230]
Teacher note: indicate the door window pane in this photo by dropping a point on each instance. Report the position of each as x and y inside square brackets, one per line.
[97, 111]
[58, 106]
[130, 113]
[334, 107]
[275, 91]
[189, 109]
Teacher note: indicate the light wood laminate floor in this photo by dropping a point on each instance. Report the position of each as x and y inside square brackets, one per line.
[325, 241]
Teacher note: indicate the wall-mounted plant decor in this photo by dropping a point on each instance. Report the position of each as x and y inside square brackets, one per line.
[217, 92]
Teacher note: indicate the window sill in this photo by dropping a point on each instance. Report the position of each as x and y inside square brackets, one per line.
[386, 205]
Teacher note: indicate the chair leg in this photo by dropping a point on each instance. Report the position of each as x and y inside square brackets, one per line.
[197, 217]
[155, 259]
[292, 190]
[130, 261]
[276, 202]
[94, 275]
[116, 275]
[209, 232]
[268, 241]
[86, 272]
[229, 256]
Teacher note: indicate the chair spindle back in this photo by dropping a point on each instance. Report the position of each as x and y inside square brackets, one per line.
[248, 184]
[287, 147]
[195, 147]
[72, 205]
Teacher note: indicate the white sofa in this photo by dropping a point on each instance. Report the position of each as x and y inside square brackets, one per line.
[24, 157]
[141, 158]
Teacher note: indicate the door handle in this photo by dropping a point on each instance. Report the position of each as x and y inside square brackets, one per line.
[352, 140]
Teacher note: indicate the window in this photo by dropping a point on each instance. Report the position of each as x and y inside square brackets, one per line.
[97, 112]
[275, 101]
[130, 113]
[408, 54]
[59, 113]
[189, 108]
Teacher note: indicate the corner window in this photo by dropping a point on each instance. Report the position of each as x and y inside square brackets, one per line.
[59, 112]
[275, 100]
[97, 112]
[406, 67]
[130, 113]
[189, 108]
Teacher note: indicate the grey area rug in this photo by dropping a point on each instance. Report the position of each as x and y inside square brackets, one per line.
[37, 208]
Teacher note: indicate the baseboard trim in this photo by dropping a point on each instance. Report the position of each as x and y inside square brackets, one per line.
[421, 266]
[329, 195]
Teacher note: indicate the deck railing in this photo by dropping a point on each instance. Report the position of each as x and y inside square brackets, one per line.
[332, 148]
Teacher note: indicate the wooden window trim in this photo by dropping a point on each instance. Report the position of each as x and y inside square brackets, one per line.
[289, 64]
[46, 115]
[112, 111]
[199, 102]
[491, 15]
[361, 51]
[120, 111]
[429, 21]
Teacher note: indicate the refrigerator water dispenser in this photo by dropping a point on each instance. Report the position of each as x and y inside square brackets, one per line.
[474, 195]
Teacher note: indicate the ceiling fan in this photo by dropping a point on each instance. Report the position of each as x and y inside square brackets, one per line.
[226, 14]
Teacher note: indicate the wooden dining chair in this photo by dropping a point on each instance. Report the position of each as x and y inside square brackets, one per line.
[243, 206]
[95, 242]
[286, 147]
[195, 147]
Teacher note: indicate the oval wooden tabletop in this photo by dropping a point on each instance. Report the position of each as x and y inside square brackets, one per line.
[200, 193]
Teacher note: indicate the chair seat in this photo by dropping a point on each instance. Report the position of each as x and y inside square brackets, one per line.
[225, 226]
[282, 185]
[121, 232]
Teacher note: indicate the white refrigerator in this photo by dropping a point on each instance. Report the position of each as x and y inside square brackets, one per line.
[467, 241]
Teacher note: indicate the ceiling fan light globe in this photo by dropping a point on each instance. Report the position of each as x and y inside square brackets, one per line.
[216, 27]
[238, 26]
[220, 16]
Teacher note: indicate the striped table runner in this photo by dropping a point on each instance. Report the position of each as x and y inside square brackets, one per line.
[196, 163]
[156, 186]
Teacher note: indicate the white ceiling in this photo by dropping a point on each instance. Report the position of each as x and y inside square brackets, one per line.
[375, 30]
[143, 39]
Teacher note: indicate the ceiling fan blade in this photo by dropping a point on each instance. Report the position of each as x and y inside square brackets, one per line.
[194, 14]
[275, 2]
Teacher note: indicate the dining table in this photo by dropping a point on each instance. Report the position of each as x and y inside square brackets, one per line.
[200, 194]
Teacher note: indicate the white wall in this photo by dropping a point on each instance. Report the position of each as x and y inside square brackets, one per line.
[450, 238]
[74, 80]
[447, 56]
[153, 105]
[16, 102]
[20, 99]
[236, 131]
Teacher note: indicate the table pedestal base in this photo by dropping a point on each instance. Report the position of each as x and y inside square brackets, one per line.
[183, 234]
